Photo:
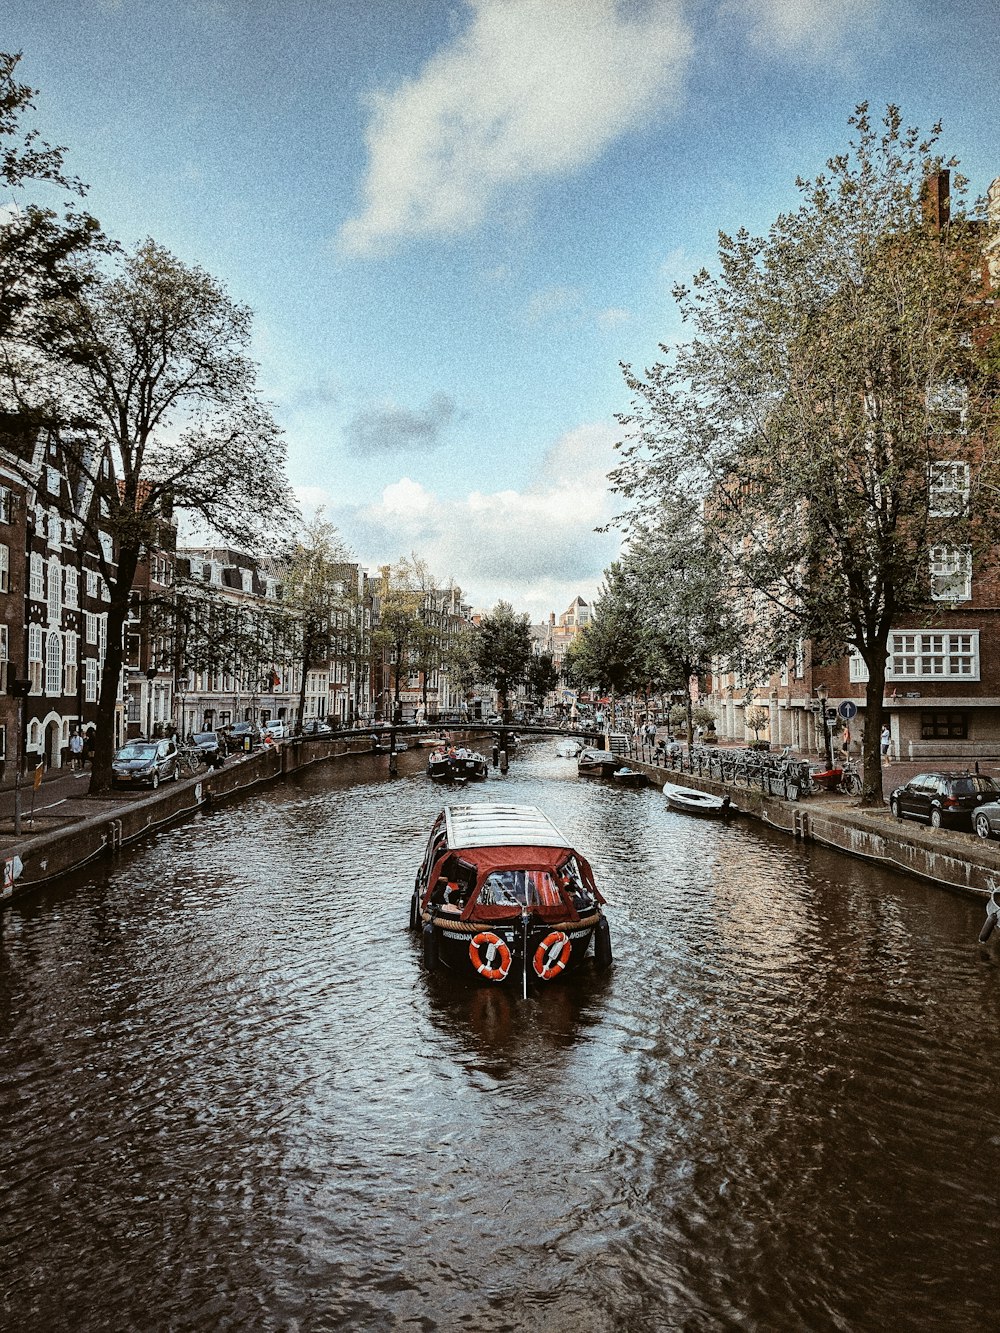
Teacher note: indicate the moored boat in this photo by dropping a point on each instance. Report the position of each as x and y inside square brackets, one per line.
[630, 777]
[598, 763]
[502, 894]
[690, 801]
[461, 765]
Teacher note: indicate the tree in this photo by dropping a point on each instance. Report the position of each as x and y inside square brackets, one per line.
[541, 677]
[38, 243]
[399, 624]
[503, 649]
[154, 361]
[313, 592]
[813, 407]
[460, 661]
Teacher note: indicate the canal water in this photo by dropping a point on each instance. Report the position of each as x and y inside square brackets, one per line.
[232, 1099]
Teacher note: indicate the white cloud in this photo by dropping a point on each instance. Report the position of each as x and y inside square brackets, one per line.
[808, 27]
[536, 548]
[530, 90]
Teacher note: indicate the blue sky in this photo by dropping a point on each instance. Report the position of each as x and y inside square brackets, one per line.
[454, 219]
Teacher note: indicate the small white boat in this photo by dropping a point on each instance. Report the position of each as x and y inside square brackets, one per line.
[690, 801]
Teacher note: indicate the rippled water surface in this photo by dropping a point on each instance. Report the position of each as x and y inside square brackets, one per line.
[231, 1098]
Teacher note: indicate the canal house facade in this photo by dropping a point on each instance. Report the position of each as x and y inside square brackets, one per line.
[942, 696]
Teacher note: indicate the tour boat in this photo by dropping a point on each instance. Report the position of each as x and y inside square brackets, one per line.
[690, 801]
[501, 894]
[451, 765]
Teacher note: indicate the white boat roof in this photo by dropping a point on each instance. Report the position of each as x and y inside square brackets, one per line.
[490, 825]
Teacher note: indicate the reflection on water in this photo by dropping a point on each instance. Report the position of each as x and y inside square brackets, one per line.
[232, 1099]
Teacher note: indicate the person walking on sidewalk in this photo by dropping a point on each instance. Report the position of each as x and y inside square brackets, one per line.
[76, 751]
[886, 741]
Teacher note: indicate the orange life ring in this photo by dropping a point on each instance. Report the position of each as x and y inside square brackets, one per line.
[496, 952]
[552, 955]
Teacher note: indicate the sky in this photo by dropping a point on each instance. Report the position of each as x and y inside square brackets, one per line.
[455, 219]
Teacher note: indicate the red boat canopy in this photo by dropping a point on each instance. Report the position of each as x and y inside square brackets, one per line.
[538, 878]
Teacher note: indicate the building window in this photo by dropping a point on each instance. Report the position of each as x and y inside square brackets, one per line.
[36, 576]
[949, 489]
[90, 619]
[107, 546]
[90, 680]
[944, 726]
[933, 655]
[35, 656]
[71, 659]
[947, 408]
[91, 583]
[72, 588]
[4, 568]
[951, 573]
[55, 590]
[6, 505]
[4, 656]
[53, 664]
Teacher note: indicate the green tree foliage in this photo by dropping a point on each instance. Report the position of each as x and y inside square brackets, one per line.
[400, 625]
[810, 408]
[39, 241]
[541, 677]
[503, 650]
[153, 358]
[314, 595]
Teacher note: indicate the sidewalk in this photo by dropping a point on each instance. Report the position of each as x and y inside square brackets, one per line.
[61, 799]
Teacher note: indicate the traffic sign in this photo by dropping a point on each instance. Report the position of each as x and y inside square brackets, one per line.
[847, 710]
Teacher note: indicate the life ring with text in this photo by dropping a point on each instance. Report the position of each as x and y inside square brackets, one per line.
[552, 955]
[496, 963]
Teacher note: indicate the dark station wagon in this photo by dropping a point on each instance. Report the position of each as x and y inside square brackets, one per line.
[943, 798]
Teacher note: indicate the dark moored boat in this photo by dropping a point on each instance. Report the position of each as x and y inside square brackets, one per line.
[501, 893]
[598, 763]
[453, 765]
[629, 777]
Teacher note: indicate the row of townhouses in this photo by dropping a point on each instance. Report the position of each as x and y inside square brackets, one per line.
[204, 645]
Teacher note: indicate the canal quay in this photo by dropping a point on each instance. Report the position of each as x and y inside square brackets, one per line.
[232, 1098]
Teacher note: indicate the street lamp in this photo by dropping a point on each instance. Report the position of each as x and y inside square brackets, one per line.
[822, 694]
[151, 674]
[20, 690]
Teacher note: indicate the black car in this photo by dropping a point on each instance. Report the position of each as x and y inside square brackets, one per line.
[212, 747]
[943, 798]
[238, 735]
[145, 763]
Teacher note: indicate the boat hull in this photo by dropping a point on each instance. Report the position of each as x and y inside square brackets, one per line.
[494, 952]
[689, 801]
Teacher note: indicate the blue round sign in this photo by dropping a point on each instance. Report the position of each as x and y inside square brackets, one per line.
[847, 710]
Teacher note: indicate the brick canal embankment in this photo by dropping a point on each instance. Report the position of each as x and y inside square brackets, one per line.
[948, 857]
[82, 829]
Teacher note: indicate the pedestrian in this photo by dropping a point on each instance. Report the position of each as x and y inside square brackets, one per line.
[76, 751]
[885, 741]
[88, 748]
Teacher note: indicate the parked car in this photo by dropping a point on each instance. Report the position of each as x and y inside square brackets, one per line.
[943, 798]
[317, 728]
[986, 819]
[145, 763]
[237, 734]
[276, 730]
[212, 746]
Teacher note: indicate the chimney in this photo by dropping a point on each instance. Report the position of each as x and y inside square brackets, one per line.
[935, 195]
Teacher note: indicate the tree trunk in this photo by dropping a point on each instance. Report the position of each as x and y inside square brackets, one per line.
[302, 692]
[104, 739]
[871, 755]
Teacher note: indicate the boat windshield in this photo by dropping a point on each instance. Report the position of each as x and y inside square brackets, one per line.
[519, 888]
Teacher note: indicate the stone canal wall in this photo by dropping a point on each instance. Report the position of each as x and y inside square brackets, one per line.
[34, 860]
[952, 860]
[949, 858]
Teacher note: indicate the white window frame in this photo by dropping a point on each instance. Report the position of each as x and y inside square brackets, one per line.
[90, 680]
[55, 589]
[53, 664]
[4, 567]
[948, 485]
[951, 573]
[36, 577]
[929, 654]
[72, 593]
